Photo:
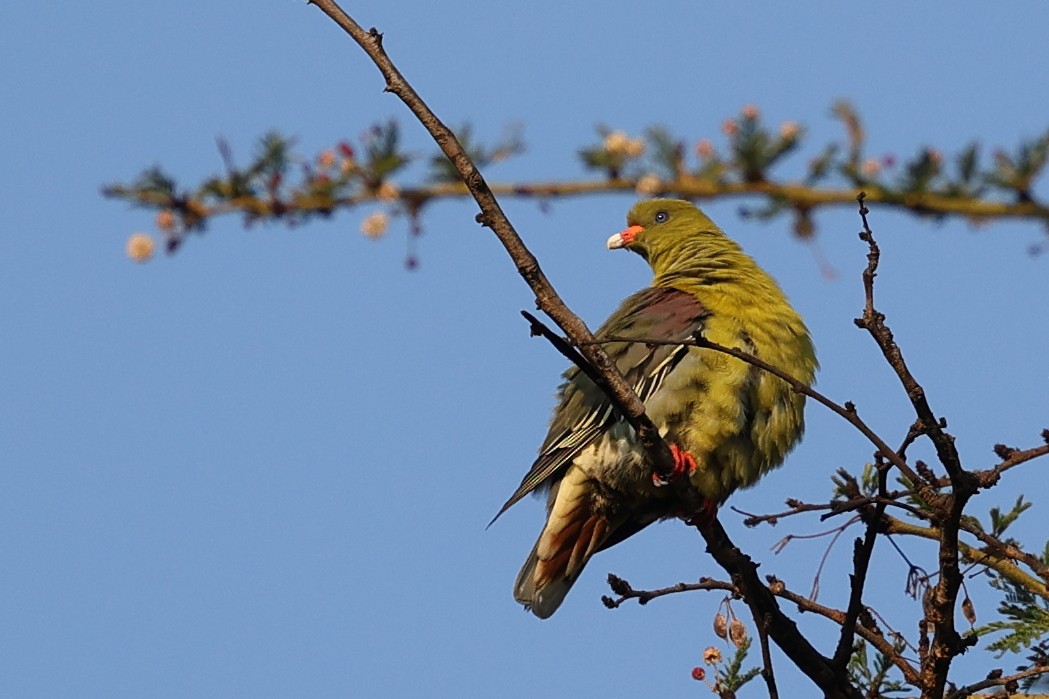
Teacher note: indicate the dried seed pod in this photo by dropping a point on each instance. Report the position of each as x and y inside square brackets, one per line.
[737, 633]
[969, 610]
[720, 625]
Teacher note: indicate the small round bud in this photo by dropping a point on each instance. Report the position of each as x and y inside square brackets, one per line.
[326, 159]
[616, 142]
[140, 247]
[699, 674]
[789, 130]
[648, 184]
[374, 226]
[750, 111]
[165, 220]
[387, 191]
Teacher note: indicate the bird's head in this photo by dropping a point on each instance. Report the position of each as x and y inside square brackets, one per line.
[666, 232]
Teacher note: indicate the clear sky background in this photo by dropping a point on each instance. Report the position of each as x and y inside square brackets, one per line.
[264, 466]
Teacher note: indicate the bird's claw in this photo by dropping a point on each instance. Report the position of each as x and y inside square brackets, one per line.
[684, 464]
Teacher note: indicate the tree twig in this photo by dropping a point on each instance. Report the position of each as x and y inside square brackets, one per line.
[743, 570]
[492, 217]
[797, 194]
[847, 411]
[767, 671]
[625, 592]
[873, 322]
[997, 679]
[861, 557]
[869, 633]
[940, 610]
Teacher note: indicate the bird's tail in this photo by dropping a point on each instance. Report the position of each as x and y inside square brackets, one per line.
[573, 533]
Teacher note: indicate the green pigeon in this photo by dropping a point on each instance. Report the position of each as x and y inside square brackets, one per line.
[726, 421]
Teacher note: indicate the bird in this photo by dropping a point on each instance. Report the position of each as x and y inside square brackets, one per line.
[726, 422]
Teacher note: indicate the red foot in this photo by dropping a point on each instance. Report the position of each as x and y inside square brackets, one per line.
[684, 463]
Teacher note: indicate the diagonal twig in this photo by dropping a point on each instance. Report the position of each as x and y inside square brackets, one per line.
[742, 568]
[946, 643]
[492, 217]
[873, 321]
[997, 679]
[846, 411]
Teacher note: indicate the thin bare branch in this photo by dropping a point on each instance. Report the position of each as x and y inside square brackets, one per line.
[743, 570]
[999, 563]
[492, 216]
[997, 679]
[767, 672]
[1015, 457]
[861, 557]
[625, 592]
[847, 411]
[832, 508]
[941, 601]
[873, 322]
[868, 632]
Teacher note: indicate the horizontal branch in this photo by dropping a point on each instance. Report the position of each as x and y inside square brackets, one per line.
[833, 508]
[871, 635]
[998, 562]
[794, 194]
[1014, 458]
[996, 547]
[625, 592]
[999, 680]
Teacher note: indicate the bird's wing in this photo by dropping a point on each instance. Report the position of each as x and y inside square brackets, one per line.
[584, 411]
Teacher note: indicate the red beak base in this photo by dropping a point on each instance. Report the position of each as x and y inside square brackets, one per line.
[624, 238]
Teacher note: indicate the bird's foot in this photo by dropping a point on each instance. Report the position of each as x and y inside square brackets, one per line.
[684, 464]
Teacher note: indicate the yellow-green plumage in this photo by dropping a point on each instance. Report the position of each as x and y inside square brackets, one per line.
[737, 421]
[746, 420]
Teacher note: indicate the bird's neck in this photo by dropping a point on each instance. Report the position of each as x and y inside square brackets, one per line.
[730, 284]
[722, 269]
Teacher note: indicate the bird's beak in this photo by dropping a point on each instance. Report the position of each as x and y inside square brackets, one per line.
[624, 238]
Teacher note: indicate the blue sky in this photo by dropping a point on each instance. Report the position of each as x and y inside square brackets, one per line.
[263, 467]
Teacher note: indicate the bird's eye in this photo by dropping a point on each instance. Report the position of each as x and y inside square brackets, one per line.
[662, 217]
